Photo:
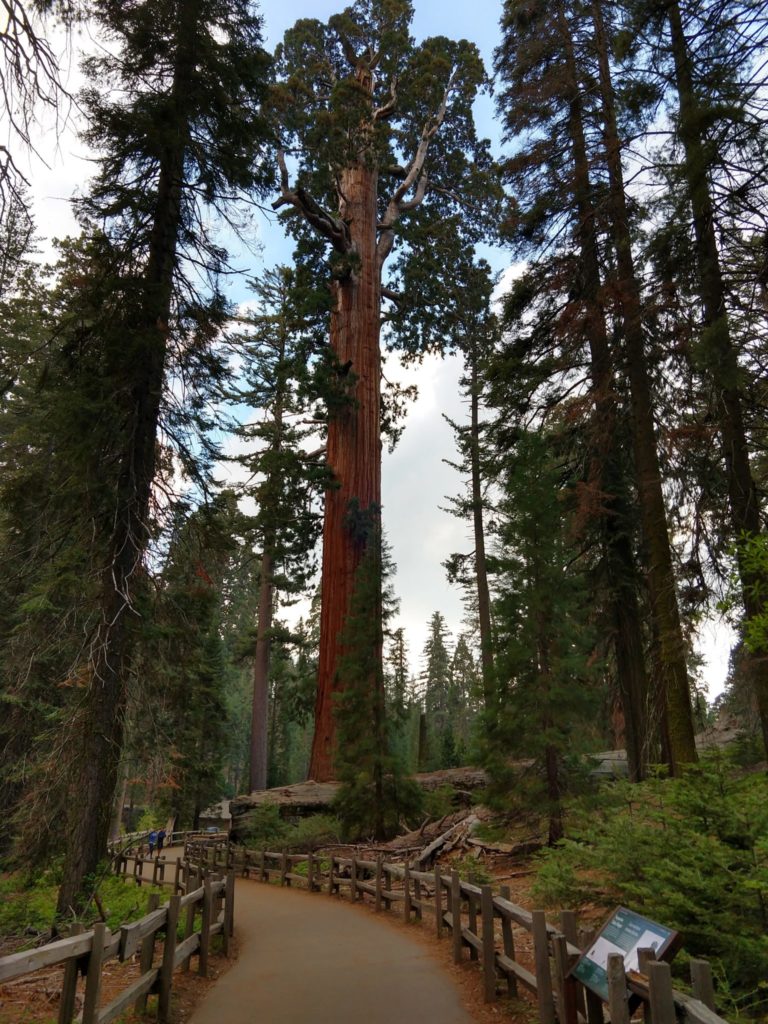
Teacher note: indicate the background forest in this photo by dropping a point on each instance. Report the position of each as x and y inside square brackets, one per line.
[197, 597]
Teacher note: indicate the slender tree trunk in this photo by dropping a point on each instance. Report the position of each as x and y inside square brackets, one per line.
[99, 734]
[259, 709]
[481, 571]
[661, 577]
[117, 810]
[605, 474]
[354, 445]
[721, 356]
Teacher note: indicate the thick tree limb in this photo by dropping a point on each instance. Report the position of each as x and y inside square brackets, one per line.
[332, 228]
[415, 178]
[391, 294]
[387, 109]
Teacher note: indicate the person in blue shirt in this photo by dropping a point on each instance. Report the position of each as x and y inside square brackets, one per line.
[152, 839]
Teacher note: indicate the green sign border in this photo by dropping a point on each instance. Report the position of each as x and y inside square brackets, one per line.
[593, 976]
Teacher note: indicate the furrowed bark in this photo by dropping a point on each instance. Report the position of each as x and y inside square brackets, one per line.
[100, 733]
[661, 578]
[354, 444]
[605, 472]
[723, 360]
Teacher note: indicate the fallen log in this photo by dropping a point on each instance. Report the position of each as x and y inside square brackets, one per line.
[447, 840]
[510, 849]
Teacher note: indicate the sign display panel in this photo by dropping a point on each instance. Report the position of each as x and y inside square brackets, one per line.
[625, 933]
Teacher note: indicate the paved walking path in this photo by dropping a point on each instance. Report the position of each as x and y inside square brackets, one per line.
[309, 959]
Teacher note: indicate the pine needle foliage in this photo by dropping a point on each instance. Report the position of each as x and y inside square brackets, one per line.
[375, 794]
[691, 853]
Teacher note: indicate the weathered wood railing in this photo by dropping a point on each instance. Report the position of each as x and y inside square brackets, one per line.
[488, 925]
[197, 890]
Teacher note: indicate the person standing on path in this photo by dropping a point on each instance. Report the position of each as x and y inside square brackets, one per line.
[152, 839]
[160, 841]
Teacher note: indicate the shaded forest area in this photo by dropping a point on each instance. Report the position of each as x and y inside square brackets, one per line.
[177, 472]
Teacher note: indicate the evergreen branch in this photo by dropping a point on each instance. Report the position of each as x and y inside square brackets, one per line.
[332, 228]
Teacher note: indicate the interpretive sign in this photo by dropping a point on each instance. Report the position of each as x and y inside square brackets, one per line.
[625, 932]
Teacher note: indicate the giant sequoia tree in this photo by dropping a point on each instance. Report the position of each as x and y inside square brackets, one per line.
[175, 110]
[387, 160]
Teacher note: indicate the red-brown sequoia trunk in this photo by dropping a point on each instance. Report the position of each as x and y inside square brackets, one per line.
[354, 443]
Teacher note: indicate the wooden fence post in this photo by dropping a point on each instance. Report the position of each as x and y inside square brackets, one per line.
[229, 910]
[566, 986]
[438, 902]
[69, 983]
[189, 928]
[387, 875]
[701, 981]
[660, 990]
[417, 898]
[177, 877]
[147, 952]
[205, 929]
[166, 968]
[456, 916]
[101, 936]
[509, 943]
[646, 956]
[330, 878]
[617, 989]
[489, 944]
[284, 868]
[311, 871]
[353, 879]
[472, 910]
[377, 895]
[406, 893]
[543, 974]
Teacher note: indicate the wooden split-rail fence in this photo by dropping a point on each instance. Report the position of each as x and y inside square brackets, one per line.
[489, 927]
[200, 907]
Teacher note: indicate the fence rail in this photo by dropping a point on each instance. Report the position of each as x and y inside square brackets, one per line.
[197, 890]
[488, 926]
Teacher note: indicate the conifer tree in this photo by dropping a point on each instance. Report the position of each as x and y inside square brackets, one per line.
[375, 794]
[388, 161]
[273, 380]
[181, 672]
[174, 109]
[549, 58]
[719, 136]
[476, 333]
[439, 704]
[546, 650]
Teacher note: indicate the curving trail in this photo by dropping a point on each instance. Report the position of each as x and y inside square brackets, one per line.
[308, 959]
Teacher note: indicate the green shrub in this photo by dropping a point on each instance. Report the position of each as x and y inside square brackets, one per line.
[691, 853]
[28, 905]
[314, 831]
[472, 870]
[440, 802]
[265, 827]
